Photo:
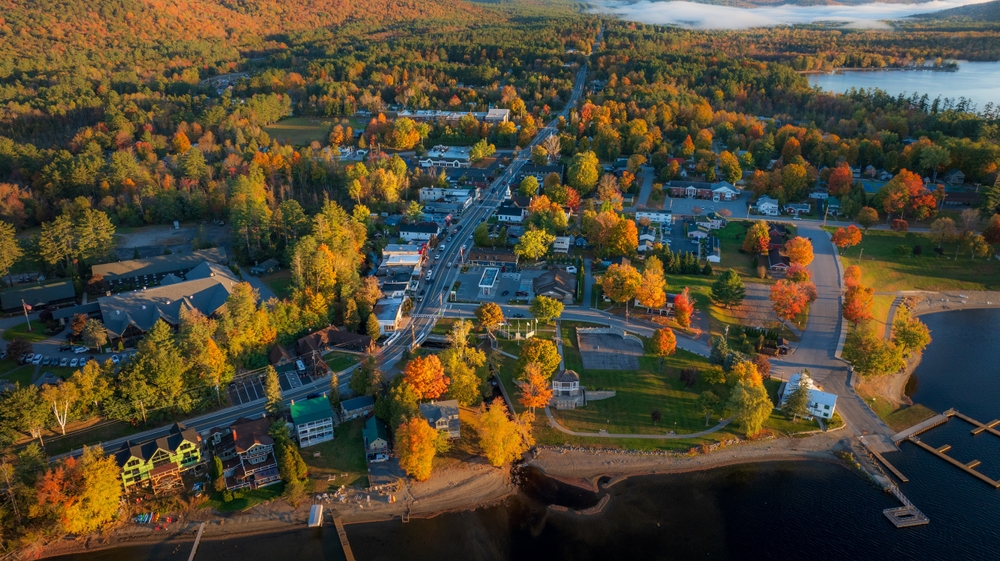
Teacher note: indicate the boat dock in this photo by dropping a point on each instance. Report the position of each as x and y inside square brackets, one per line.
[342, 533]
[924, 426]
[901, 516]
[912, 433]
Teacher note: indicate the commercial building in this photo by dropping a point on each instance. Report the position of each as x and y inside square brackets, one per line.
[447, 157]
[488, 281]
[555, 283]
[151, 271]
[38, 296]
[491, 257]
[489, 116]
[389, 313]
[313, 419]
[655, 216]
[420, 232]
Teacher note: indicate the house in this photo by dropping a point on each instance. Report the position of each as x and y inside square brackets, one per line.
[389, 313]
[313, 419]
[555, 283]
[718, 191]
[38, 296]
[538, 172]
[833, 206]
[246, 449]
[491, 257]
[443, 415]
[447, 157]
[954, 177]
[655, 216]
[159, 461]
[269, 266]
[819, 195]
[566, 390]
[796, 209]
[821, 404]
[332, 338]
[278, 355]
[150, 271]
[376, 440]
[767, 206]
[711, 249]
[647, 237]
[776, 261]
[511, 214]
[562, 244]
[422, 231]
[356, 407]
[698, 231]
[715, 220]
[129, 315]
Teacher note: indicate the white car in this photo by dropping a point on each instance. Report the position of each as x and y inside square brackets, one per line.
[64, 361]
[300, 365]
[115, 359]
[37, 360]
[571, 269]
[796, 218]
[79, 350]
[452, 264]
[74, 363]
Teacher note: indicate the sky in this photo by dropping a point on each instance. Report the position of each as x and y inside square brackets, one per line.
[707, 16]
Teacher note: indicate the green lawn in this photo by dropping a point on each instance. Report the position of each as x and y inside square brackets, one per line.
[340, 361]
[342, 458]
[731, 241]
[36, 334]
[778, 421]
[898, 418]
[279, 282]
[880, 311]
[249, 499]
[21, 375]
[300, 131]
[883, 270]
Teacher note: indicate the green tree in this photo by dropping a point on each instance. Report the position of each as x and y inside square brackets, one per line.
[728, 290]
[351, 318]
[542, 351]
[867, 217]
[23, 410]
[583, 172]
[334, 391]
[750, 405]
[10, 249]
[272, 391]
[909, 333]
[546, 309]
[414, 212]
[366, 379]
[708, 403]
[481, 150]
[797, 403]
[95, 335]
[218, 474]
[534, 244]
[871, 355]
[528, 186]
[372, 327]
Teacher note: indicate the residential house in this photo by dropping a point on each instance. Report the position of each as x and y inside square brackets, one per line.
[160, 461]
[718, 191]
[777, 262]
[954, 177]
[562, 244]
[655, 216]
[796, 209]
[267, 267]
[246, 449]
[38, 297]
[356, 407]
[538, 172]
[716, 221]
[566, 390]
[767, 206]
[821, 404]
[443, 415]
[447, 157]
[129, 315]
[647, 237]
[313, 419]
[389, 313]
[376, 440]
[492, 257]
[150, 271]
[711, 249]
[422, 231]
[698, 231]
[278, 356]
[833, 206]
[555, 283]
[819, 195]
[332, 338]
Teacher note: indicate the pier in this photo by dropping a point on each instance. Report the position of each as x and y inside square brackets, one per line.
[901, 516]
[912, 433]
[342, 533]
[197, 540]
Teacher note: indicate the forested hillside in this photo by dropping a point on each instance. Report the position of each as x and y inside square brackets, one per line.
[985, 12]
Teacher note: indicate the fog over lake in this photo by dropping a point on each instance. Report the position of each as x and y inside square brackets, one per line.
[707, 16]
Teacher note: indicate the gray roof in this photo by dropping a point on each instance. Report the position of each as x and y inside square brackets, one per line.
[566, 376]
[160, 264]
[555, 280]
[37, 294]
[357, 403]
[439, 410]
[206, 290]
[66, 313]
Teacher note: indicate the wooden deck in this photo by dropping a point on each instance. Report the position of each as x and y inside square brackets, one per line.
[978, 428]
[924, 426]
[342, 533]
[968, 468]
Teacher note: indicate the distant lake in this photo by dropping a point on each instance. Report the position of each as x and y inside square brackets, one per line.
[977, 81]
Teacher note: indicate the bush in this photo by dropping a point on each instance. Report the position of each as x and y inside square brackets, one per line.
[761, 272]
[901, 250]
[899, 225]
[918, 250]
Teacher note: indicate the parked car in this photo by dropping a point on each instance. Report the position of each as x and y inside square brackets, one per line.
[300, 365]
[79, 350]
[517, 315]
[46, 361]
[66, 347]
[74, 363]
[64, 361]
[37, 360]
[115, 359]
[505, 293]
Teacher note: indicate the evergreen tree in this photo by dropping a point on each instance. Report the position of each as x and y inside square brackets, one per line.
[272, 390]
[728, 290]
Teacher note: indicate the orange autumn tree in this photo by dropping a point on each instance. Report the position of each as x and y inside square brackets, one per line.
[416, 446]
[858, 303]
[426, 375]
[852, 276]
[797, 272]
[683, 308]
[746, 371]
[799, 250]
[789, 299]
[840, 181]
[664, 343]
[846, 237]
[534, 387]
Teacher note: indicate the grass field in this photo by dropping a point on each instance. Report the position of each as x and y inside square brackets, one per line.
[883, 270]
[280, 283]
[731, 241]
[340, 361]
[342, 459]
[898, 418]
[881, 311]
[36, 334]
[300, 131]
[250, 498]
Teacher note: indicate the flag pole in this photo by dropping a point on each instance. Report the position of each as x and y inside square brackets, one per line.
[25, 308]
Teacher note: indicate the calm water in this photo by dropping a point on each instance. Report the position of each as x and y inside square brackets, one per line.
[977, 81]
[774, 511]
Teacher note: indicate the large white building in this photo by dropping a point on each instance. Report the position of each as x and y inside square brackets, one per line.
[821, 404]
[313, 419]
[655, 216]
[389, 313]
[421, 232]
[490, 116]
[447, 157]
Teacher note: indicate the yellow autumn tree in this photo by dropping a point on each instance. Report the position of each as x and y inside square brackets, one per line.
[503, 439]
[415, 446]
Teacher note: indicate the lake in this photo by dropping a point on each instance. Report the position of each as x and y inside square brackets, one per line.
[747, 512]
[977, 81]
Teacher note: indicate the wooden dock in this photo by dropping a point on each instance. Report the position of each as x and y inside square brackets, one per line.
[343, 539]
[197, 540]
[968, 468]
[980, 427]
[891, 467]
[924, 426]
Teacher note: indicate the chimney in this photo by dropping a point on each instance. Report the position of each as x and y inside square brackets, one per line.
[293, 402]
[234, 433]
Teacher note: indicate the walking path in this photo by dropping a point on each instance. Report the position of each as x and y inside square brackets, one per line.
[555, 424]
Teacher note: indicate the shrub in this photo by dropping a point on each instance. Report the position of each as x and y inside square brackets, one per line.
[899, 225]
[918, 250]
[901, 250]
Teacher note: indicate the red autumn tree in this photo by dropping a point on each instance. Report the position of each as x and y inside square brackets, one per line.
[797, 272]
[426, 375]
[847, 237]
[683, 308]
[664, 342]
[858, 303]
[840, 181]
[799, 250]
[534, 387]
[852, 276]
[788, 299]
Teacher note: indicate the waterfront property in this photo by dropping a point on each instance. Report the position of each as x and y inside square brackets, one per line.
[443, 415]
[356, 407]
[566, 390]
[159, 462]
[313, 419]
[376, 440]
[821, 404]
[246, 449]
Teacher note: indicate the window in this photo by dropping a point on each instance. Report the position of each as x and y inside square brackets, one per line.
[827, 407]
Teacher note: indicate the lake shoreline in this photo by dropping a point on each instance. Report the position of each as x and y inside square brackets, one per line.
[888, 69]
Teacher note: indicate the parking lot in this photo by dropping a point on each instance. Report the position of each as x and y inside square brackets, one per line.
[684, 206]
[250, 386]
[509, 286]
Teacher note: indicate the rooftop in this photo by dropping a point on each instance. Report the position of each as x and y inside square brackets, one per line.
[449, 153]
[160, 264]
[359, 402]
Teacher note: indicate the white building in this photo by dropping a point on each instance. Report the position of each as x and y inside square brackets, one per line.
[821, 404]
[313, 420]
[562, 244]
[447, 157]
[655, 216]
[422, 232]
[448, 194]
[389, 313]
[511, 214]
[488, 282]
[767, 206]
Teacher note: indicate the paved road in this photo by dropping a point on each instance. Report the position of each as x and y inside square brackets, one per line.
[817, 350]
[647, 187]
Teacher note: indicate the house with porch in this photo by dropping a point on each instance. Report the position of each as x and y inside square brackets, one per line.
[821, 404]
[767, 206]
[566, 390]
[376, 440]
[246, 449]
[159, 462]
[313, 419]
[443, 415]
